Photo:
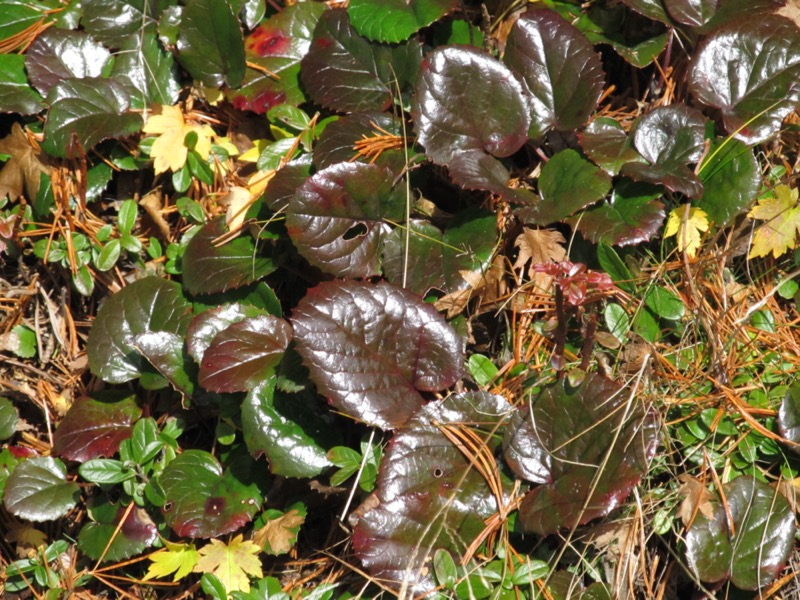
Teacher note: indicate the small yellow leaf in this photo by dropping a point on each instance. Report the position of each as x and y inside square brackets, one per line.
[254, 152]
[238, 200]
[169, 150]
[279, 534]
[782, 215]
[689, 231]
[179, 559]
[231, 563]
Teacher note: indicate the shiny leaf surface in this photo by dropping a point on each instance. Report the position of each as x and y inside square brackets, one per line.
[38, 490]
[205, 326]
[16, 94]
[136, 533]
[59, 54]
[731, 179]
[393, 21]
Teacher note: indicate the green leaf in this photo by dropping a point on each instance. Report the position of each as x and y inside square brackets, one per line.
[126, 219]
[568, 183]
[393, 21]
[111, 22]
[165, 351]
[616, 268]
[19, 15]
[444, 567]
[105, 471]
[482, 369]
[108, 256]
[149, 304]
[16, 95]
[38, 490]
[92, 110]
[208, 268]
[617, 321]
[210, 43]
[289, 429]
[24, 341]
[149, 68]
[145, 441]
[606, 143]
[731, 178]
[102, 537]
[8, 419]
[664, 303]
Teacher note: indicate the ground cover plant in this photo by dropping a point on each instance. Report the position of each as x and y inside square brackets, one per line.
[419, 299]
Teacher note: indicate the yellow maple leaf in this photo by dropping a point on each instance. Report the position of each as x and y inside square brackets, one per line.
[169, 151]
[689, 231]
[782, 215]
[179, 559]
[279, 534]
[231, 563]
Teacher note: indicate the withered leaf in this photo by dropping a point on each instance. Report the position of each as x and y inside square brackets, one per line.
[279, 534]
[20, 175]
[696, 497]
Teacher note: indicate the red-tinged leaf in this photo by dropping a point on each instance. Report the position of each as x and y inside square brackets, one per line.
[338, 142]
[606, 143]
[205, 326]
[277, 46]
[748, 69]
[428, 495]
[560, 67]
[202, 500]
[338, 218]
[588, 446]
[165, 351]
[369, 348]
[210, 267]
[59, 54]
[149, 304]
[244, 353]
[282, 187]
[95, 425]
[136, 533]
[346, 73]
[470, 108]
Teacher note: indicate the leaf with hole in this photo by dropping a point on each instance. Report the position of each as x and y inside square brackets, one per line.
[149, 304]
[753, 556]
[38, 490]
[393, 21]
[560, 68]
[210, 267]
[587, 445]
[471, 110]
[370, 348]
[345, 72]
[338, 218]
[95, 425]
[748, 69]
[202, 499]
[429, 497]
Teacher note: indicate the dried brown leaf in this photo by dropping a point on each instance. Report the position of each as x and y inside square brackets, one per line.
[21, 173]
[278, 535]
[152, 204]
[539, 246]
[696, 497]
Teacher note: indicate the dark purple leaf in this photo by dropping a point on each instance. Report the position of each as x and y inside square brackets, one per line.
[95, 425]
[16, 95]
[588, 446]
[110, 21]
[59, 54]
[38, 490]
[205, 326]
[338, 218]
[283, 186]
[244, 354]
[291, 430]
[749, 70]
[436, 259]
[560, 68]
[568, 183]
[369, 348]
[789, 416]
[631, 216]
[669, 138]
[653, 9]
[731, 10]
[692, 12]
[137, 533]
[606, 143]
[764, 524]
[165, 351]
[202, 500]
[149, 304]
[393, 21]
[337, 143]
[428, 494]
[277, 46]
[209, 267]
[346, 73]
[469, 108]
[731, 178]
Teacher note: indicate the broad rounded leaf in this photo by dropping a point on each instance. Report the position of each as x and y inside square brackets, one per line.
[289, 429]
[205, 326]
[165, 351]
[282, 187]
[209, 268]
[59, 54]
[559, 66]
[202, 500]
[731, 178]
[149, 304]
[369, 348]
[135, 534]
[337, 218]
[109, 21]
[567, 184]
[606, 143]
[16, 95]
[789, 416]
[277, 45]
[395, 20]
[694, 13]
[90, 109]
[95, 425]
[337, 144]
[750, 70]
[649, 8]
[588, 445]
[428, 494]
[469, 108]
[244, 353]
[149, 68]
[38, 490]
[210, 43]
[346, 73]
[764, 525]
[436, 259]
